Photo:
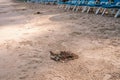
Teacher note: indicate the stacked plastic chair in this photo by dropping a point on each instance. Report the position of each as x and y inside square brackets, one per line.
[71, 4]
[117, 13]
[80, 4]
[96, 5]
[63, 3]
[102, 3]
[86, 5]
[89, 3]
[112, 6]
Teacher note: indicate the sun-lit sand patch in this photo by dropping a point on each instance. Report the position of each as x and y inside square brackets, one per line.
[15, 32]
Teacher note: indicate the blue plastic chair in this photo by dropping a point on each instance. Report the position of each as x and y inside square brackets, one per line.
[52, 1]
[86, 6]
[117, 13]
[102, 3]
[97, 5]
[92, 4]
[71, 4]
[112, 6]
[80, 4]
[62, 4]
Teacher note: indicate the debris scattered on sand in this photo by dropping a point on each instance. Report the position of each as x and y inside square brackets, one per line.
[23, 9]
[38, 12]
[63, 56]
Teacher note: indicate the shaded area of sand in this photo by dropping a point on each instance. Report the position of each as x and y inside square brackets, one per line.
[26, 39]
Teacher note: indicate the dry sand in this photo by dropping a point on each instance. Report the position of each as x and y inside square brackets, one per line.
[26, 39]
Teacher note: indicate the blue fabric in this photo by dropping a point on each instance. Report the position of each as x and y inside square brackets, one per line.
[81, 3]
[115, 4]
[60, 2]
[93, 3]
[111, 6]
[116, 1]
[73, 2]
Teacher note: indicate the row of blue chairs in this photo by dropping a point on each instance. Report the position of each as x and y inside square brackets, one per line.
[96, 6]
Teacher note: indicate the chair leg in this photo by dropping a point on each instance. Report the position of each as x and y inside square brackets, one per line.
[77, 8]
[97, 11]
[74, 8]
[104, 11]
[94, 9]
[117, 14]
[69, 7]
[66, 7]
[113, 11]
[58, 6]
[62, 6]
[88, 9]
[84, 9]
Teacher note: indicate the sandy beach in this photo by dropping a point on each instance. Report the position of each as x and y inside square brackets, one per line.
[26, 39]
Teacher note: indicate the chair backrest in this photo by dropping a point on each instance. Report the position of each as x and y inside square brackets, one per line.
[103, 2]
[82, 1]
[74, 1]
[116, 1]
[91, 1]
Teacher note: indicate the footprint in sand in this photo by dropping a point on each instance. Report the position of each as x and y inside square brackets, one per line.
[30, 43]
[75, 33]
[24, 77]
[112, 76]
[54, 76]
[115, 76]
